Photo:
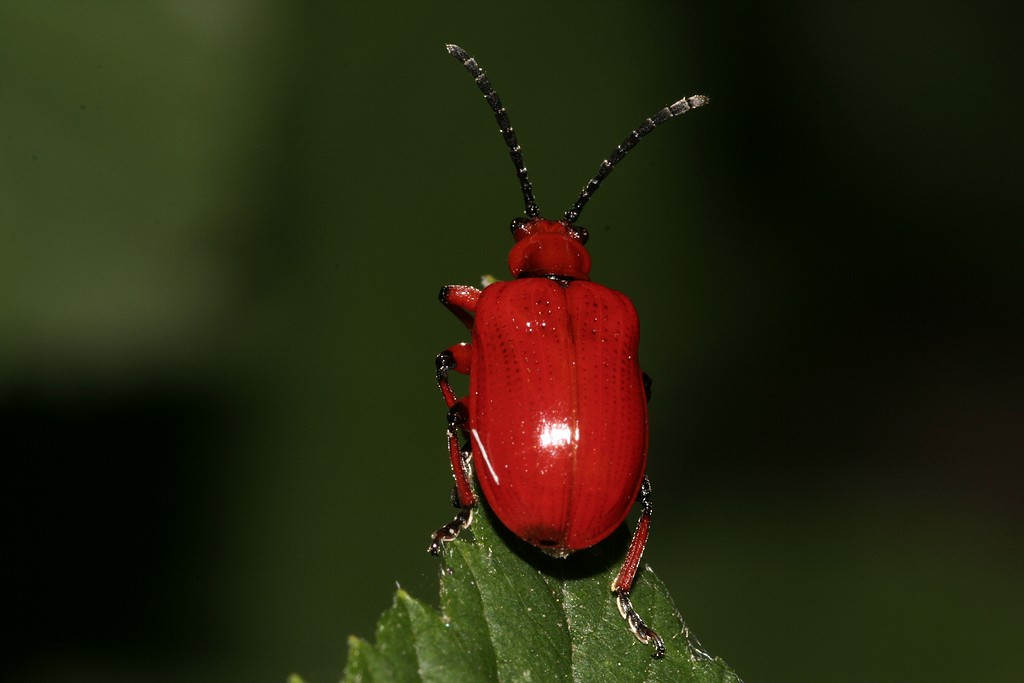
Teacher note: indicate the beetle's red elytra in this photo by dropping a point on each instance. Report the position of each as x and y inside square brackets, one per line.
[554, 428]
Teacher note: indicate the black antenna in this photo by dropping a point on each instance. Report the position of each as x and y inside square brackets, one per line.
[681, 107]
[503, 125]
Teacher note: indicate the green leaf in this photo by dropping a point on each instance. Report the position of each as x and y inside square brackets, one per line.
[511, 613]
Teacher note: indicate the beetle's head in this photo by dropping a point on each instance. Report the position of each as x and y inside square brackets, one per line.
[549, 248]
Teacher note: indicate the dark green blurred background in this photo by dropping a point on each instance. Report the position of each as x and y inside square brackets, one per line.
[222, 230]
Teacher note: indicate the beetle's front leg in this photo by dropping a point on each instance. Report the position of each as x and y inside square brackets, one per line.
[623, 583]
[461, 301]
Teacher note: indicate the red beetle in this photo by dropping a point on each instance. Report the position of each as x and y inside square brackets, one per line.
[556, 418]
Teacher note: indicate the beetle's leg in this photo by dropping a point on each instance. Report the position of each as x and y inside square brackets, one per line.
[647, 386]
[624, 581]
[466, 454]
[460, 300]
[455, 358]
[462, 494]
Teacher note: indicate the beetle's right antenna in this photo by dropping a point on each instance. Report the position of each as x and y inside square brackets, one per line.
[503, 125]
[681, 107]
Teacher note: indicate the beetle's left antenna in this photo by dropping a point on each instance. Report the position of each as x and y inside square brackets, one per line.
[681, 107]
[503, 124]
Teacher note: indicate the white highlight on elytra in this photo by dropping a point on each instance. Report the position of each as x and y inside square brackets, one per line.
[483, 454]
[556, 434]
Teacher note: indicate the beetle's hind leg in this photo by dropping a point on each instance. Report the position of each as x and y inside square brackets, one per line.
[455, 358]
[624, 581]
[451, 530]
